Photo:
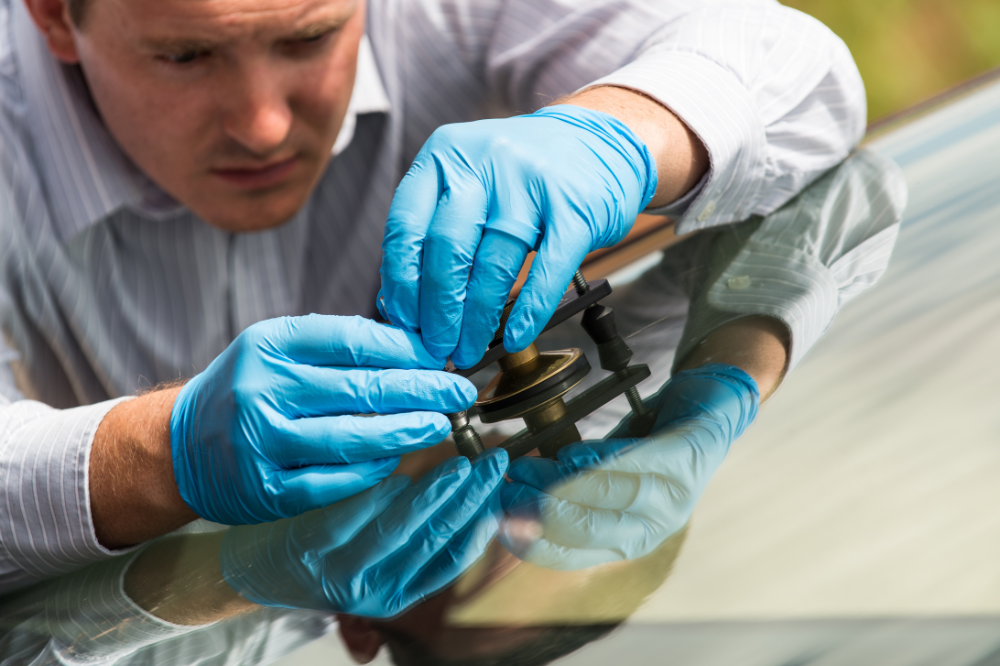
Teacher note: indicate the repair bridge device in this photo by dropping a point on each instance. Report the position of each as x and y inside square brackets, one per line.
[531, 384]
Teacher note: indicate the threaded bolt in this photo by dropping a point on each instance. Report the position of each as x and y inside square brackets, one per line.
[468, 443]
[580, 283]
[635, 401]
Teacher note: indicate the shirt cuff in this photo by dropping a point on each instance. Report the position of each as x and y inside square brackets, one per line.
[46, 527]
[771, 280]
[676, 209]
[93, 620]
[719, 109]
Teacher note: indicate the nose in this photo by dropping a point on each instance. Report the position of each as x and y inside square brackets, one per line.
[258, 115]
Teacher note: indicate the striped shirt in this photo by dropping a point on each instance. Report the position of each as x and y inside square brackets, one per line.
[107, 285]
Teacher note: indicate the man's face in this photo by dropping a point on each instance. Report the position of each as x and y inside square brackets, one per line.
[231, 106]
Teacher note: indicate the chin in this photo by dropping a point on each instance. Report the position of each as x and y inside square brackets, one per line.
[255, 214]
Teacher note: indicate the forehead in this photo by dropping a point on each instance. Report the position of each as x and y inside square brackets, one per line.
[219, 19]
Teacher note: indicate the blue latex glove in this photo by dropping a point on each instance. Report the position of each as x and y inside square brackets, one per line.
[479, 196]
[269, 430]
[620, 499]
[377, 553]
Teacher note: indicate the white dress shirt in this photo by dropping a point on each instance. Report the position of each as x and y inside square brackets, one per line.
[107, 285]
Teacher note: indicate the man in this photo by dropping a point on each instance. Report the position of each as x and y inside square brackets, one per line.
[168, 191]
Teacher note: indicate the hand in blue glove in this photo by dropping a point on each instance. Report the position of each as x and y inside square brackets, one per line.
[620, 499]
[479, 196]
[377, 553]
[270, 429]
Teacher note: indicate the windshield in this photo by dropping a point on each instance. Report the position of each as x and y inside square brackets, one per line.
[853, 521]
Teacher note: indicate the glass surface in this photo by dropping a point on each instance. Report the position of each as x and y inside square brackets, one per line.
[853, 523]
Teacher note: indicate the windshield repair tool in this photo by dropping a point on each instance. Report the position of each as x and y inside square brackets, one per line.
[531, 383]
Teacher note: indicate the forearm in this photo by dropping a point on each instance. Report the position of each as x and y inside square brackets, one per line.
[133, 495]
[681, 158]
[757, 345]
[179, 580]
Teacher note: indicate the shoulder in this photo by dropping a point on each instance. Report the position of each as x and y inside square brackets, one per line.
[10, 89]
[13, 131]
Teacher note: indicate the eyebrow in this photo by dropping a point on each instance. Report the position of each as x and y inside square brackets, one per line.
[187, 44]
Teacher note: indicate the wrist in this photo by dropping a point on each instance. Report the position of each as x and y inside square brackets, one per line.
[681, 158]
[616, 133]
[757, 345]
[178, 580]
[717, 393]
[133, 493]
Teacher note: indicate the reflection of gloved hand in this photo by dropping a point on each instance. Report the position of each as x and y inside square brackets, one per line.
[269, 430]
[621, 498]
[374, 554]
[565, 180]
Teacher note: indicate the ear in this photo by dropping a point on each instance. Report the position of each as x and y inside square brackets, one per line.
[52, 19]
[360, 638]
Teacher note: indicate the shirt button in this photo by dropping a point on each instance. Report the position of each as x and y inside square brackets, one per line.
[707, 211]
[739, 282]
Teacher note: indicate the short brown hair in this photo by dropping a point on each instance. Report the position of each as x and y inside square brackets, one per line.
[76, 9]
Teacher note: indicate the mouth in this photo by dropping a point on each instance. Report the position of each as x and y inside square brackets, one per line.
[254, 177]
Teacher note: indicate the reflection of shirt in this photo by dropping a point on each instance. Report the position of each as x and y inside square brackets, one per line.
[800, 264]
[86, 618]
[107, 285]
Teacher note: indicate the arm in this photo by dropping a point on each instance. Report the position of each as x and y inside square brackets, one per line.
[179, 580]
[257, 436]
[751, 101]
[797, 267]
[681, 157]
[756, 345]
[773, 94]
[767, 289]
[133, 494]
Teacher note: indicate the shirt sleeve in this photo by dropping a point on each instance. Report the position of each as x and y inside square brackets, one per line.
[773, 94]
[93, 621]
[8, 384]
[802, 263]
[46, 527]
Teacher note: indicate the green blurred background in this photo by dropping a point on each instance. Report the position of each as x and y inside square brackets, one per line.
[908, 50]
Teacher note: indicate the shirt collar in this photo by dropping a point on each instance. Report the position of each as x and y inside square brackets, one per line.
[369, 95]
[86, 175]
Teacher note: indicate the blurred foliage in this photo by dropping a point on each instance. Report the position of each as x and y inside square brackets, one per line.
[908, 50]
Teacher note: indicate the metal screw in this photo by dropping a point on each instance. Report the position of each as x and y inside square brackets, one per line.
[467, 440]
[635, 402]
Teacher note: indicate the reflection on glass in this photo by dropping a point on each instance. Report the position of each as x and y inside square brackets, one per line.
[582, 539]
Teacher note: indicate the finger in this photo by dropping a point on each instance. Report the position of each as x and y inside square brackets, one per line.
[459, 554]
[494, 272]
[327, 340]
[564, 246]
[592, 488]
[322, 530]
[295, 491]
[548, 555]
[354, 439]
[577, 526]
[406, 227]
[680, 458]
[449, 248]
[464, 507]
[541, 473]
[336, 391]
[544, 473]
[629, 456]
[410, 512]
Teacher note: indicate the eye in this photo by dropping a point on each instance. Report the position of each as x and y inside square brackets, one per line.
[183, 58]
[309, 42]
[312, 39]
